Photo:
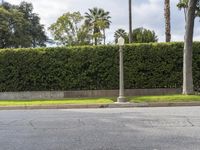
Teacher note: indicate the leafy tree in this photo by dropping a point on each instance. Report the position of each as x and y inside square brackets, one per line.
[183, 4]
[33, 28]
[121, 33]
[11, 27]
[84, 35]
[192, 11]
[142, 35]
[20, 27]
[167, 21]
[98, 19]
[4, 28]
[69, 31]
[139, 35]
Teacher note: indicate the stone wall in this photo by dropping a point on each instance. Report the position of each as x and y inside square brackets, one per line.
[88, 93]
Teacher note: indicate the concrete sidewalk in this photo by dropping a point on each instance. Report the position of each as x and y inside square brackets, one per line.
[115, 105]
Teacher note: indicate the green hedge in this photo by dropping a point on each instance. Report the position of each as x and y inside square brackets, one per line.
[156, 65]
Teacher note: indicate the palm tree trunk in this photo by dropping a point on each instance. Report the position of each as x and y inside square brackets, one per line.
[95, 41]
[167, 21]
[95, 36]
[130, 22]
[104, 37]
[187, 62]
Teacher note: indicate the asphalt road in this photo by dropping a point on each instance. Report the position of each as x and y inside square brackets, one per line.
[176, 128]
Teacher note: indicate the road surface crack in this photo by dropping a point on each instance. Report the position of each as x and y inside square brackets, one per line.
[31, 124]
[188, 120]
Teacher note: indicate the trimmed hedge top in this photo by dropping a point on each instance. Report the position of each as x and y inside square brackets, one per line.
[154, 65]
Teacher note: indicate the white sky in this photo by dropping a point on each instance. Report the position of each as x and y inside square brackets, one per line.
[146, 13]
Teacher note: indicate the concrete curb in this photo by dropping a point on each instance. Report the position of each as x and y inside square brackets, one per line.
[120, 105]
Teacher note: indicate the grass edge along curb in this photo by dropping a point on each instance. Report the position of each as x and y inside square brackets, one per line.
[165, 99]
[44, 102]
[93, 101]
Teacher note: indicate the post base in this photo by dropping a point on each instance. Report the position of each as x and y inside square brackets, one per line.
[121, 99]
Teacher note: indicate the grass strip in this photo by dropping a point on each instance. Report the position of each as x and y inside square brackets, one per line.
[166, 98]
[55, 102]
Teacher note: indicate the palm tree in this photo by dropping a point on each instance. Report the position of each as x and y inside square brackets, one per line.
[130, 21]
[167, 21]
[103, 24]
[120, 33]
[98, 19]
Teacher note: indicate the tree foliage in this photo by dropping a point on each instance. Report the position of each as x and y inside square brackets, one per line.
[142, 35]
[99, 20]
[139, 35]
[20, 27]
[11, 27]
[75, 29]
[121, 33]
[183, 4]
[68, 30]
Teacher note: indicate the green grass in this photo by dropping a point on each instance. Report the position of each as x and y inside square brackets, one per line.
[55, 102]
[166, 98]
[136, 99]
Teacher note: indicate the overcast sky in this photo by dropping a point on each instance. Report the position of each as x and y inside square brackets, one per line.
[146, 13]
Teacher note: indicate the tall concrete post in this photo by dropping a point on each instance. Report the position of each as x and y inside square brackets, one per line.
[121, 97]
